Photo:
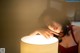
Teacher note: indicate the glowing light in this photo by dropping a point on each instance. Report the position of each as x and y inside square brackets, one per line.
[35, 43]
[39, 40]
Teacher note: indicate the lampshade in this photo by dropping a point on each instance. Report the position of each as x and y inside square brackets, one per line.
[39, 44]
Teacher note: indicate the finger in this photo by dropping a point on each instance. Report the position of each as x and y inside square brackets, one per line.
[48, 35]
[45, 35]
[54, 33]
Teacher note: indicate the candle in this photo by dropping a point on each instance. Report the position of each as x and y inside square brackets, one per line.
[39, 44]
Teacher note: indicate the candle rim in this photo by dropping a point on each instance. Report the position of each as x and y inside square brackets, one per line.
[46, 41]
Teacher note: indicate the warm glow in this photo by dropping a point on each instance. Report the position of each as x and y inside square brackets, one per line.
[37, 43]
[39, 40]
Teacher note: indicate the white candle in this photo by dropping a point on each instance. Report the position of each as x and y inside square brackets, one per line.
[39, 44]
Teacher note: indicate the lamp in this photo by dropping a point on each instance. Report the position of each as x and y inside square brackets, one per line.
[39, 44]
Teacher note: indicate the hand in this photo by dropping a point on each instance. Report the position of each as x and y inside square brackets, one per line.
[46, 32]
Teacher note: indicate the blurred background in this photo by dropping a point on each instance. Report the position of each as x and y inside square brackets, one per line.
[20, 17]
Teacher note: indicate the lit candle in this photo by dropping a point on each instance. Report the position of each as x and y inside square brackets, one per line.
[39, 44]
